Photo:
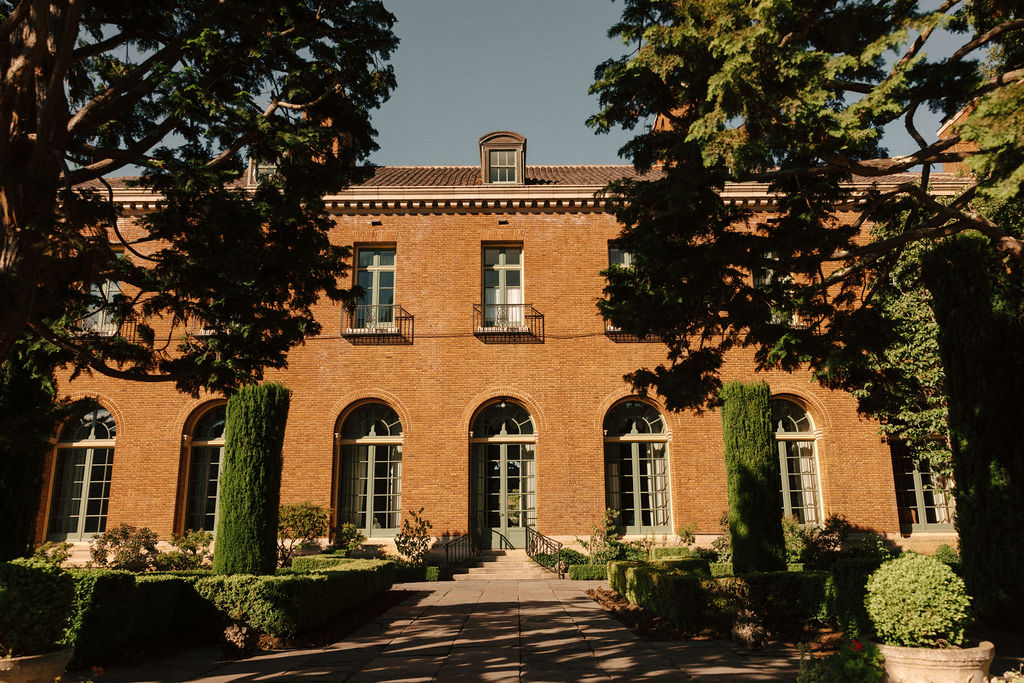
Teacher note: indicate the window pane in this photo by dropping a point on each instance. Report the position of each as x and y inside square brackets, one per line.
[387, 257]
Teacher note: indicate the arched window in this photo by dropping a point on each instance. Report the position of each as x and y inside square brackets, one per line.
[636, 467]
[81, 477]
[798, 461]
[206, 450]
[503, 455]
[370, 485]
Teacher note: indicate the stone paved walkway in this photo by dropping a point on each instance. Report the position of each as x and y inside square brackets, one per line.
[483, 631]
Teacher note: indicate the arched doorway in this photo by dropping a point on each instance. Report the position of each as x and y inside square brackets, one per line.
[206, 451]
[370, 469]
[503, 487]
[636, 468]
[80, 489]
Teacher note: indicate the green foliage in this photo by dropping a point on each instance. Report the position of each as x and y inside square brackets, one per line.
[916, 601]
[29, 415]
[752, 476]
[129, 548]
[347, 538]
[313, 563]
[722, 545]
[300, 526]
[694, 603]
[181, 90]
[54, 553]
[695, 565]
[588, 572]
[99, 625]
[293, 604]
[416, 573]
[686, 535]
[617, 574]
[192, 552]
[567, 556]
[813, 545]
[721, 569]
[948, 555]
[979, 306]
[671, 551]
[870, 546]
[250, 481]
[849, 581]
[413, 540]
[854, 662]
[796, 95]
[35, 601]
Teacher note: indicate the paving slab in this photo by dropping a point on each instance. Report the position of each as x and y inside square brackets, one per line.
[482, 631]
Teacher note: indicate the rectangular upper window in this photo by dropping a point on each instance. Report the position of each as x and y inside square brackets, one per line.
[375, 274]
[503, 285]
[502, 165]
[619, 257]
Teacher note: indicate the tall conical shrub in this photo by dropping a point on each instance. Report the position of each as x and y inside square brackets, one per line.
[752, 471]
[250, 481]
[978, 304]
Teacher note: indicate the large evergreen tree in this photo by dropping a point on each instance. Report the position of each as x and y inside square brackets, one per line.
[181, 91]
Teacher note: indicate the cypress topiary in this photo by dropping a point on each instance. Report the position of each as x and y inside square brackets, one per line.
[250, 481]
[752, 471]
[978, 303]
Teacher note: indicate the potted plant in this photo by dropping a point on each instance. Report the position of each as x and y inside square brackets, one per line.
[919, 608]
[35, 601]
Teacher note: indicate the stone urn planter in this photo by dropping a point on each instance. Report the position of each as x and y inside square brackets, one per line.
[937, 665]
[35, 668]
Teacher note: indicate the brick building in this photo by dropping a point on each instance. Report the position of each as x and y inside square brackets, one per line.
[477, 380]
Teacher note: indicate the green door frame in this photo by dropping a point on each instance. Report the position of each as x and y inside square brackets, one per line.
[504, 499]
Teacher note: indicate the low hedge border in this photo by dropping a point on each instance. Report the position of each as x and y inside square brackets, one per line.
[408, 574]
[784, 601]
[588, 572]
[849, 586]
[100, 614]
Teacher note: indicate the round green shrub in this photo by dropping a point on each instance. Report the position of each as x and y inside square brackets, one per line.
[917, 601]
[947, 554]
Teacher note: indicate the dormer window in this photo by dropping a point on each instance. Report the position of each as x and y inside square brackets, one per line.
[502, 158]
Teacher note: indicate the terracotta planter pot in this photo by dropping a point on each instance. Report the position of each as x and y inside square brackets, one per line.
[934, 665]
[35, 668]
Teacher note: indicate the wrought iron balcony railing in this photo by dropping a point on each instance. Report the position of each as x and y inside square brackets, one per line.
[617, 334]
[378, 325]
[508, 323]
[106, 326]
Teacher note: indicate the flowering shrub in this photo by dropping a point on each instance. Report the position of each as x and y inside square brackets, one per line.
[855, 662]
[347, 538]
[132, 549]
[300, 527]
[191, 551]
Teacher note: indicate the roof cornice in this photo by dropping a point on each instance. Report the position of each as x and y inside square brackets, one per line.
[525, 198]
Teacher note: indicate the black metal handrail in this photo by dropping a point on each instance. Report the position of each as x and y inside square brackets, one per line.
[617, 334]
[508, 321]
[537, 543]
[460, 549]
[380, 324]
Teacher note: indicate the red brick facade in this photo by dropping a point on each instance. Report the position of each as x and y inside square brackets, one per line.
[443, 378]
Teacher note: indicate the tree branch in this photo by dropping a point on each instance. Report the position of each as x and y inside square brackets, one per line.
[994, 32]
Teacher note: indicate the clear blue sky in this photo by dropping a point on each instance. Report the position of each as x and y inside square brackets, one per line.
[468, 67]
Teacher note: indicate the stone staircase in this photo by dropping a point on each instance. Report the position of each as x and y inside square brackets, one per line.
[504, 565]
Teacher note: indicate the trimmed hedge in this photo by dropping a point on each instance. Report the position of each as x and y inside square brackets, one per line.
[99, 624]
[686, 564]
[617, 574]
[315, 563]
[849, 586]
[588, 572]
[721, 569]
[288, 605]
[785, 601]
[671, 551]
[35, 600]
[412, 574]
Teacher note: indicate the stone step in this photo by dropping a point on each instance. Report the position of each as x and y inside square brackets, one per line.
[505, 576]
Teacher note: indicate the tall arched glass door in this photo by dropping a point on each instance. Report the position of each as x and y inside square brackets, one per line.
[636, 468]
[206, 450]
[370, 485]
[81, 477]
[798, 461]
[503, 455]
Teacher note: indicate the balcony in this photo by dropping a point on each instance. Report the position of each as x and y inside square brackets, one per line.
[104, 325]
[508, 324]
[618, 335]
[377, 325]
